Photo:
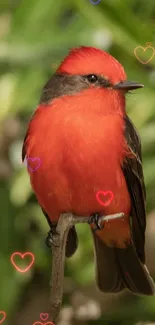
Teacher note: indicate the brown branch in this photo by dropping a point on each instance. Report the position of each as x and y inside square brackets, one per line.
[66, 221]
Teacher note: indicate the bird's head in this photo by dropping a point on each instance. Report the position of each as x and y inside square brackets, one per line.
[98, 69]
[92, 73]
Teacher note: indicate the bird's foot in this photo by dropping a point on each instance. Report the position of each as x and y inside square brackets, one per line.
[95, 219]
[52, 237]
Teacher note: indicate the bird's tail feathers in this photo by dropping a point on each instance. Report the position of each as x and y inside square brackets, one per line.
[118, 269]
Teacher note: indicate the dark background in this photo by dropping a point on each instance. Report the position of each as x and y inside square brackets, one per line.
[35, 36]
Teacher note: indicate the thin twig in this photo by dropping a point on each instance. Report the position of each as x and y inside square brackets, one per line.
[66, 221]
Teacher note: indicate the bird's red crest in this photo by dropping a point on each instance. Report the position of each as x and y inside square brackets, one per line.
[87, 60]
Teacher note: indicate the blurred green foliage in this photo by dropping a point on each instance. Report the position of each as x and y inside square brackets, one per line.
[35, 36]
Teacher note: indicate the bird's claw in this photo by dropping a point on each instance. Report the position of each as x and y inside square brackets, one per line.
[95, 219]
[52, 238]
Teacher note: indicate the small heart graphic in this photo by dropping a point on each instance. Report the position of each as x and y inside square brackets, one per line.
[144, 49]
[107, 197]
[32, 163]
[43, 316]
[3, 314]
[22, 256]
[95, 3]
[54, 65]
[39, 323]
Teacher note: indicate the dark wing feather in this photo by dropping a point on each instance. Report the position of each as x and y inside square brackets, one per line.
[133, 172]
[23, 148]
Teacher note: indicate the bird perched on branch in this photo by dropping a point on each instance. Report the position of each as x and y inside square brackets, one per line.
[87, 143]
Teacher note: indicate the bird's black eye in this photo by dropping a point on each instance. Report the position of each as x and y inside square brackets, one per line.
[92, 78]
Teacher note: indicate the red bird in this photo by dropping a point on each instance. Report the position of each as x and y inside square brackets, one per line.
[87, 143]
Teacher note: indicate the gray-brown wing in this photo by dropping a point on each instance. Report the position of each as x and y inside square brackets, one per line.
[133, 172]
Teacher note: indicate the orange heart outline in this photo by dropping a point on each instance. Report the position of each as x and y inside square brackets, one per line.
[104, 193]
[4, 316]
[144, 49]
[22, 256]
[54, 65]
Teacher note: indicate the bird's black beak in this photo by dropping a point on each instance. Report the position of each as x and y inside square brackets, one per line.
[128, 85]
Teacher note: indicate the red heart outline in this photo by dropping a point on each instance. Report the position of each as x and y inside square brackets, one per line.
[22, 256]
[104, 193]
[39, 323]
[44, 316]
[144, 49]
[4, 316]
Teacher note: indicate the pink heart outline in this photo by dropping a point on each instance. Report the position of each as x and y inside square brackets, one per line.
[44, 316]
[4, 316]
[104, 193]
[22, 256]
[33, 159]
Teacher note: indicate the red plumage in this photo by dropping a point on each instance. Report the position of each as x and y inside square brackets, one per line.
[80, 140]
